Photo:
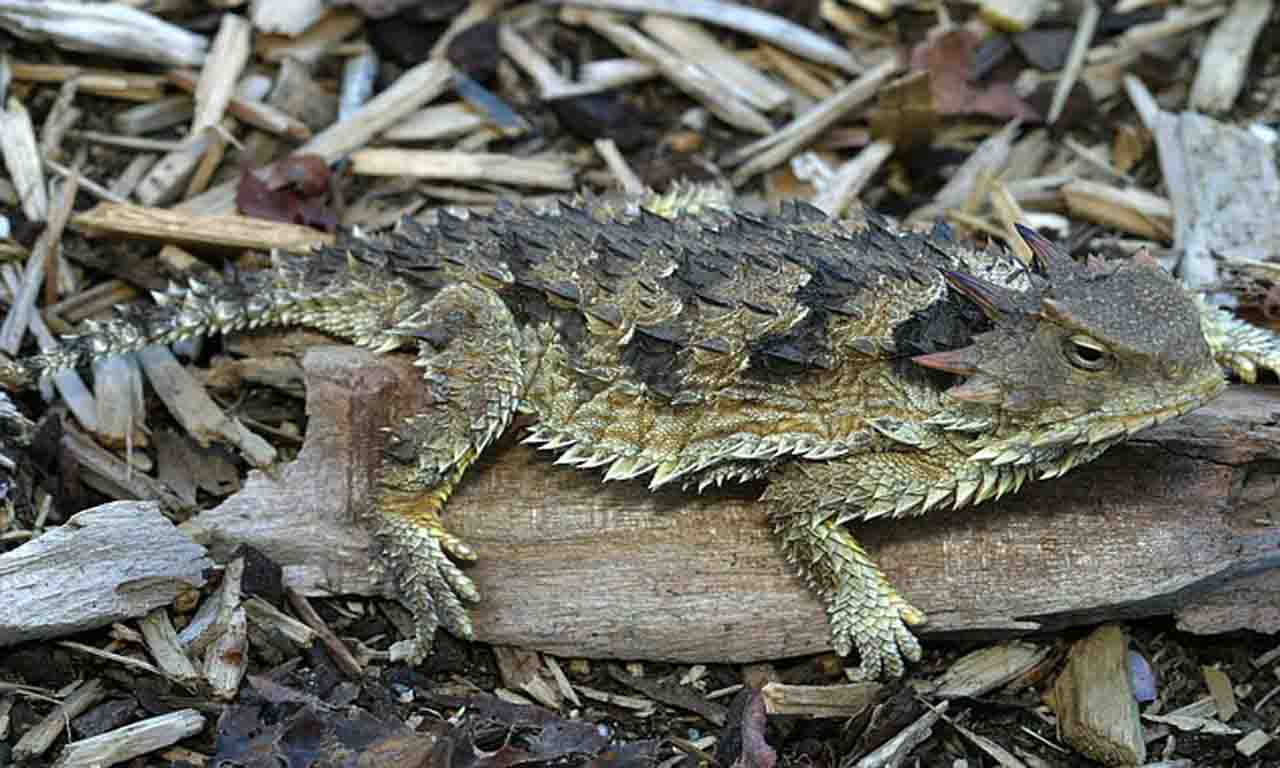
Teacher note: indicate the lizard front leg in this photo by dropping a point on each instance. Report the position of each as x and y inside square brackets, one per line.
[473, 362]
[808, 504]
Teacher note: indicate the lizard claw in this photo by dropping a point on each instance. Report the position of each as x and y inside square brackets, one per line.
[429, 583]
[876, 620]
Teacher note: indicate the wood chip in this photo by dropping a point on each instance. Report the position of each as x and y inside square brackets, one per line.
[1224, 62]
[317, 41]
[250, 111]
[1131, 210]
[989, 668]
[844, 186]
[285, 17]
[175, 226]
[694, 80]
[842, 701]
[192, 407]
[749, 21]
[117, 561]
[698, 47]
[1012, 15]
[1085, 28]
[164, 647]
[521, 670]
[111, 29]
[37, 740]
[22, 159]
[227, 659]
[1253, 742]
[134, 740]
[446, 121]
[1093, 698]
[546, 172]
[895, 751]
[114, 84]
[778, 147]
[222, 67]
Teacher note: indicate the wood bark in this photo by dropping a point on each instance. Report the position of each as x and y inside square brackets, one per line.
[1174, 521]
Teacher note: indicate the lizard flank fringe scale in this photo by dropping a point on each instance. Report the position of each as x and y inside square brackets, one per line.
[861, 371]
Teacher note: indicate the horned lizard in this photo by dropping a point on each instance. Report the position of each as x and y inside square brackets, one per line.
[860, 370]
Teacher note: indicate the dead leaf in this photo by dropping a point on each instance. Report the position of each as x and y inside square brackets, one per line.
[947, 57]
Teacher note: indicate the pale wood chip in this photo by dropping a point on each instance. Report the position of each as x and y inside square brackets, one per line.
[521, 669]
[986, 669]
[1012, 15]
[285, 17]
[694, 80]
[779, 146]
[124, 744]
[1085, 28]
[222, 67]
[175, 226]
[116, 561]
[317, 41]
[37, 740]
[163, 645]
[842, 701]
[112, 29]
[1224, 61]
[549, 172]
[749, 21]
[894, 752]
[1093, 698]
[698, 47]
[22, 159]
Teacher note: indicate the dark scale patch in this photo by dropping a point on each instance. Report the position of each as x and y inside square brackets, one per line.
[950, 322]
[798, 351]
[652, 355]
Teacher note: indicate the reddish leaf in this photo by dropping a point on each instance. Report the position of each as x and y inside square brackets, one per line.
[742, 743]
[947, 57]
[292, 190]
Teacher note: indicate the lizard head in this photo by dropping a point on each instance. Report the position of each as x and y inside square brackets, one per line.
[1094, 352]
[13, 376]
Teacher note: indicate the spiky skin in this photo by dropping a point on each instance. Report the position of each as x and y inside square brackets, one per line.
[862, 371]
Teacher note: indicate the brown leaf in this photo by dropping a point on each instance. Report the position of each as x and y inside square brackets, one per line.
[947, 57]
[292, 190]
[742, 743]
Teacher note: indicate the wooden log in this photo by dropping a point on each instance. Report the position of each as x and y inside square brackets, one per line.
[579, 568]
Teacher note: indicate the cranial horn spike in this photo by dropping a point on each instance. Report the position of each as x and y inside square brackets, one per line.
[990, 298]
[963, 361]
[1050, 258]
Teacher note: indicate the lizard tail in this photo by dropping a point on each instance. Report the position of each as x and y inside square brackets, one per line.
[178, 314]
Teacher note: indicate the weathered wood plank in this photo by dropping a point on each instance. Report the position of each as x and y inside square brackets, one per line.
[581, 568]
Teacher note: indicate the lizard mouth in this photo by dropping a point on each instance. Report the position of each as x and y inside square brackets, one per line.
[1091, 432]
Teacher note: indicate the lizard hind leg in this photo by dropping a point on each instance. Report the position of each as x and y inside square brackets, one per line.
[474, 364]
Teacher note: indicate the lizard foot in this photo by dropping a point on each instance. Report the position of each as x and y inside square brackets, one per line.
[421, 555]
[868, 614]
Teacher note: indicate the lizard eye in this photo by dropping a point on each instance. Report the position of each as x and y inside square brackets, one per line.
[1086, 354]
